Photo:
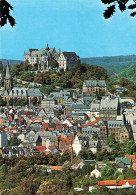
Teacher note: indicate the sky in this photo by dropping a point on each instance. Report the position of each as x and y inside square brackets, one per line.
[71, 25]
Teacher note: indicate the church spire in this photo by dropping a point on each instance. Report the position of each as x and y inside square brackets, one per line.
[8, 80]
[8, 73]
[47, 48]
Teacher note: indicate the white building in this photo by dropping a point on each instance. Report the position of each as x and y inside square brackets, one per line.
[95, 173]
[42, 57]
[67, 60]
[77, 146]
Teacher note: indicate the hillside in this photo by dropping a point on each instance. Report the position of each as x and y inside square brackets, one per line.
[113, 64]
[72, 78]
[11, 62]
[129, 73]
[107, 61]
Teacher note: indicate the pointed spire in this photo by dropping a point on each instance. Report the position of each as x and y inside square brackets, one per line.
[47, 48]
[8, 73]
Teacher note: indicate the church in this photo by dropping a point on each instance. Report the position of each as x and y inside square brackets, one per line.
[11, 92]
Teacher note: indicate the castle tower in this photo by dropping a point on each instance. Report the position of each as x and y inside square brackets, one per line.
[47, 47]
[8, 80]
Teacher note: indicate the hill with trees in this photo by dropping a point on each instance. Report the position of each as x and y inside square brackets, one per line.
[113, 64]
[128, 72]
[72, 78]
[110, 60]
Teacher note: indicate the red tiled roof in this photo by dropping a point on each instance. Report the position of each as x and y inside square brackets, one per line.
[116, 182]
[46, 152]
[50, 129]
[133, 157]
[20, 119]
[131, 98]
[64, 125]
[69, 119]
[27, 127]
[28, 112]
[59, 128]
[84, 125]
[68, 116]
[56, 168]
[40, 148]
[53, 147]
[45, 124]
[12, 128]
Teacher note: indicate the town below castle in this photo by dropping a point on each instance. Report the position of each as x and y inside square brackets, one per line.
[65, 126]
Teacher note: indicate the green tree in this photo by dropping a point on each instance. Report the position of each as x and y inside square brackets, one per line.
[107, 172]
[34, 101]
[4, 169]
[66, 156]
[2, 102]
[83, 154]
[95, 136]
[110, 140]
[2, 110]
[1, 67]
[22, 102]
[16, 69]
[20, 167]
[66, 170]
[46, 89]
[130, 147]
[10, 102]
[14, 141]
[53, 64]
[86, 169]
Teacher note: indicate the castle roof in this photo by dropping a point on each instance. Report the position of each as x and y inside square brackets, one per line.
[70, 55]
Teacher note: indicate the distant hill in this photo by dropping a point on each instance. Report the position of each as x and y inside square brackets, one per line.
[110, 60]
[114, 64]
[11, 62]
[129, 73]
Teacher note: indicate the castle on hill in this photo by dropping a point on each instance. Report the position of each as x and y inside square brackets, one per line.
[11, 92]
[44, 56]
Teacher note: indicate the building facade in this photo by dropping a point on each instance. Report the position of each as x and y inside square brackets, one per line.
[67, 60]
[41, 57]
[109, 109]
[94, 86]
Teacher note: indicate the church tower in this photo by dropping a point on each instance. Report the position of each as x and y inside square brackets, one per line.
[8, 80]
